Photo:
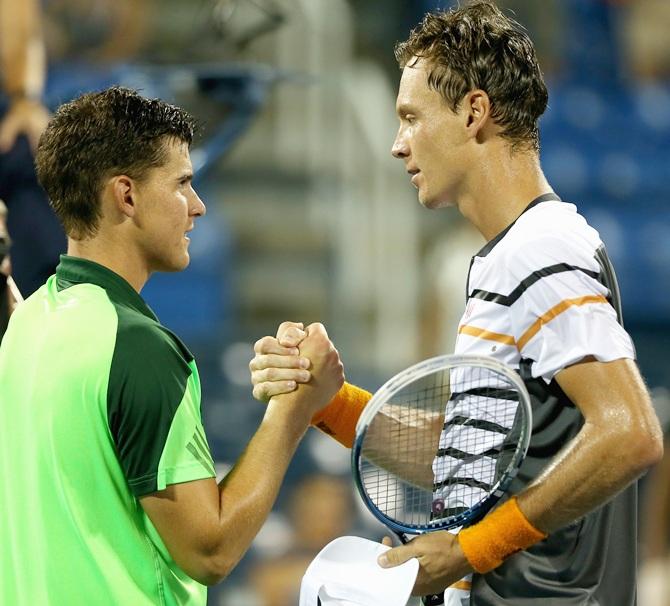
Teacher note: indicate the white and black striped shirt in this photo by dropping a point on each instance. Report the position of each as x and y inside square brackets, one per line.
[541, 296]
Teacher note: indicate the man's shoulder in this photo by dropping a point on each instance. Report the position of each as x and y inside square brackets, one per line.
[141, 339]
[549, 234]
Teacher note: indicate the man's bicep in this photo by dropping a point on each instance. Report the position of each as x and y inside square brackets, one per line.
[186, 516]
[611, 392]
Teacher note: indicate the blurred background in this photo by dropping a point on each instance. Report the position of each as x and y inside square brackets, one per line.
[310, 219]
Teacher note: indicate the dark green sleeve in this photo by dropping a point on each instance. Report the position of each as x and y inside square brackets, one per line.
[151, 377]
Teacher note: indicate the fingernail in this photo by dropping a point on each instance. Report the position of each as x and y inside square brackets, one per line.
[304, 363]
[383, 561]
[294, 351]
[291, 384]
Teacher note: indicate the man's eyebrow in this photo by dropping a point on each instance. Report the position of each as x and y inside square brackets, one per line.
[186, 176]
[403, 108]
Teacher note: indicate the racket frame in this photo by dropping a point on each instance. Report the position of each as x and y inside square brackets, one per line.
[413, 373]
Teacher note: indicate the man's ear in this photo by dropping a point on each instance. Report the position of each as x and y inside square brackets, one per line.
[123, 191]
[477, 107]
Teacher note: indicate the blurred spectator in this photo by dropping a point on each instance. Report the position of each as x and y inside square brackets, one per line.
[654, 577]
[37, 236]
[545, 22]
[8, 295]
[320, 509]
[4, 270]
[447, 264]
[276, 581]
[96, 31]
[22, 68]
[645, 26]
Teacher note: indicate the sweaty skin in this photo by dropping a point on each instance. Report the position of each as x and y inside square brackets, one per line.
[459, 158]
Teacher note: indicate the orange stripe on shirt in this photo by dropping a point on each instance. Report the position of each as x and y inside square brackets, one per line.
[555, 311]
[464, 585]
[481, 333]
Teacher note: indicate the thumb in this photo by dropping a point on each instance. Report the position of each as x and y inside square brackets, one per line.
[396, 556]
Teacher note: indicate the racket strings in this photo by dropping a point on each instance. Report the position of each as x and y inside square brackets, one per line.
[440, 445]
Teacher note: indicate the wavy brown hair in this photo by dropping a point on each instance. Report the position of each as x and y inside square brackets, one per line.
[98, 135]
[478, 47]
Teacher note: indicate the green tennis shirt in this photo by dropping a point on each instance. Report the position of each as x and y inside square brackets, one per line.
[99, 405]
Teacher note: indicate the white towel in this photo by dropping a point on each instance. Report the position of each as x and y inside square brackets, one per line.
[346, 573]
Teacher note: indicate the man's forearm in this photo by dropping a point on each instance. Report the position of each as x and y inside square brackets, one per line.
[388, 439]
[249, 490]
[600, 462]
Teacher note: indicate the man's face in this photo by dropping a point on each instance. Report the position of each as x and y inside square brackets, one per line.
[167, 206]
[431, 139]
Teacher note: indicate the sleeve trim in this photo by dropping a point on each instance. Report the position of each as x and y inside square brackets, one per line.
[175, 475]
[555, 311]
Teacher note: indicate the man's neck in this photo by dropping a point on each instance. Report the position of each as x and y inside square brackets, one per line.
[121, 260]
[501, 191]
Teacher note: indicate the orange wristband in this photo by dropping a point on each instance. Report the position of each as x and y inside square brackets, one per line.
[339, 418]
[500, 534]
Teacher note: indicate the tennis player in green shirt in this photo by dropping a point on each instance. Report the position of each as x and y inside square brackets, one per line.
[107, 486]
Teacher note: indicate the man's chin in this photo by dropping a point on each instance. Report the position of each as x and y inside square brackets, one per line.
[175, 265]
[184, 263]
[435, 203]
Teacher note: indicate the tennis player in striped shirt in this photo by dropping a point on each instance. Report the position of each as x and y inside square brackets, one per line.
[542, 297]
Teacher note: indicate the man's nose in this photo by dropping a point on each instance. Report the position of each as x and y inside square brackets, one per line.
[198, 206]
[399, 148]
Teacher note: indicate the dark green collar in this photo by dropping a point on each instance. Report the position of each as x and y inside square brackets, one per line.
[75, 270]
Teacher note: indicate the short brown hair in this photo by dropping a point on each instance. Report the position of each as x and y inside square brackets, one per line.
[98, 135]
[477, 46]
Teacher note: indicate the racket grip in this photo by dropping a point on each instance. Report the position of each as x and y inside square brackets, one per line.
[338, 419]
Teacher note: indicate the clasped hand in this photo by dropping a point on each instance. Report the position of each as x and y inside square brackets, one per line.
[296, 357]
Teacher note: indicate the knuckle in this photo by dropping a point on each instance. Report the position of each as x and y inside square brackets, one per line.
[263, 345]
[292, 362]
[285, 326]
[316, 328]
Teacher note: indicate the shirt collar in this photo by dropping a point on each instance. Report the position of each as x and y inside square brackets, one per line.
[488, 247]
[75, 270]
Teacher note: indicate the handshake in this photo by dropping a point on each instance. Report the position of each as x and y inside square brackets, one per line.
[300, 370]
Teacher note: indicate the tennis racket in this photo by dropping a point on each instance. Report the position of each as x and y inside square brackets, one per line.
[438, 445]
